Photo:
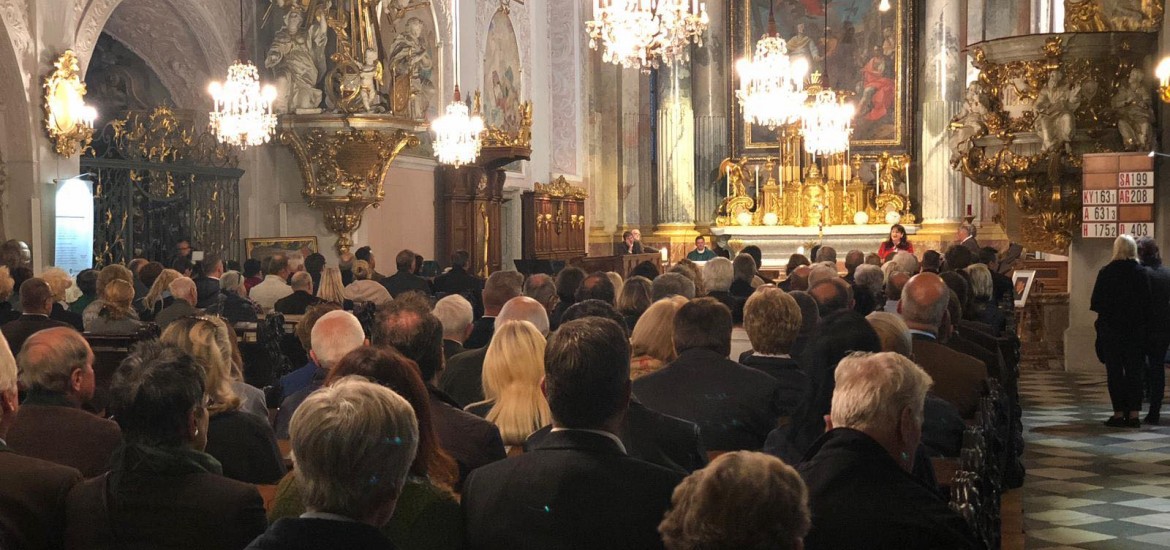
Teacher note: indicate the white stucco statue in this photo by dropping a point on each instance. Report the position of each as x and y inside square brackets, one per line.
[1055, 107]
[371, 82]
[1135, 113]
[297, 59]
[968, 125]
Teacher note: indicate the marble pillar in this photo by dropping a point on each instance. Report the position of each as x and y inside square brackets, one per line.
[941, 88]
[676, 150]
[636, 188]
[709, 84]
[1002, 18]
[603, 167]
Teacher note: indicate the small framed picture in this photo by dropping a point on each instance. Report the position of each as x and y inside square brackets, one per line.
[1022, 285]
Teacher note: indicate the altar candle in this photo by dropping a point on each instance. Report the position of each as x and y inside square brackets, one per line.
[877, 179]
[757, 180]
[729, 182]
[907, 177]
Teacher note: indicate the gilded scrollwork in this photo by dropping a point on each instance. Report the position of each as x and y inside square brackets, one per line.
[1112, 15]
[560, 187]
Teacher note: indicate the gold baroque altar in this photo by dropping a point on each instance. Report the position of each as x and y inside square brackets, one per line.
[803, 190]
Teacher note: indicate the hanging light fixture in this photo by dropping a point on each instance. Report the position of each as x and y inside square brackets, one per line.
[457, 132]
[242, 114]
[643, 34]
[771, 89]
[827, 120]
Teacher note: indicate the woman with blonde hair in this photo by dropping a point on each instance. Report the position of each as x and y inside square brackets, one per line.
[331, 289]
[512, 370]
[983, 307]
[116, 315]
[59, 283]
[652, 343]
[242, 441]
[1121, 299]
[364, 289]
[158, 297]
[617, 281]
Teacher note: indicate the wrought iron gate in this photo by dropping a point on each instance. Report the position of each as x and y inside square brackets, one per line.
[156, 181]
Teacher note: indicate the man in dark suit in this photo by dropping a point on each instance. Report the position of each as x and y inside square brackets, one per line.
[578, 488]
[333, 335]
[301, 298]
[57, 368]
[36, 301]
[207, 283]
[457, 280]
[958, 377]
[32, 491]
[500, 287]
[966, 237]
[463, 377]
[405, 280]
[367, 255]
[734, 406]
[408, 327]
[185, 295]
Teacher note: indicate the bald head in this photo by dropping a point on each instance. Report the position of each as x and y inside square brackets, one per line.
[523, 308]
[183, 288]
[335, 334]
[924, 302]
[832, 295]
[58, 360]
[895, 283]
[800, 278]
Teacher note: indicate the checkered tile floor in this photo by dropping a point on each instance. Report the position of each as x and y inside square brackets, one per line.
[1089, 486]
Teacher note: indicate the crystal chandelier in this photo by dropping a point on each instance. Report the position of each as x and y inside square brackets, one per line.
[771, 89]
[242, 114]
[457, 132]
[643, 34]
[827, 121]
[243, 110]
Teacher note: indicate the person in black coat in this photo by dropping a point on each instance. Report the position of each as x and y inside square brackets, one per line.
[772, 320]
[405, 280]
[458, 281]
[36, 301]
[578, 488]
[734, 406]
[500, 287]
[1122, 299]
[860, 489]
[349, 485]
[162, 491]
[302, 298]
[1159, 338]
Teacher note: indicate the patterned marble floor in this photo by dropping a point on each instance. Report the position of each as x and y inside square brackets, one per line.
[1089, 486]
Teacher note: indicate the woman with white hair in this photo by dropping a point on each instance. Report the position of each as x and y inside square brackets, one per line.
[860, 467]
[1121, 298]
[234, 305]
[59, 282]
[983, 306]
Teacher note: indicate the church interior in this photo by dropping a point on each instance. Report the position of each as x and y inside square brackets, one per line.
[523, 147]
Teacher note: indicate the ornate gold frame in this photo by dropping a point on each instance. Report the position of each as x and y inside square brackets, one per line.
[63, 90]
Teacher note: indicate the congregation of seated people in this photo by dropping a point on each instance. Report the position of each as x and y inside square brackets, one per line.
[704, 406]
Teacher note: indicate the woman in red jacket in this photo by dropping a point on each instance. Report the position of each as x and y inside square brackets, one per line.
[896, 242]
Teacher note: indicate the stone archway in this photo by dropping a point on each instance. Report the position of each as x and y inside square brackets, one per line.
[16, 143]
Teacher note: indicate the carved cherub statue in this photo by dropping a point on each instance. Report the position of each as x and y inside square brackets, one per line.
[371, 82]
[968, 125]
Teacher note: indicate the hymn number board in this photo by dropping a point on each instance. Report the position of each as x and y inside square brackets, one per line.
[1118, 196]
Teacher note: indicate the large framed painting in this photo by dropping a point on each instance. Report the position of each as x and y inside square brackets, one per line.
[262, 247]
[868, 54]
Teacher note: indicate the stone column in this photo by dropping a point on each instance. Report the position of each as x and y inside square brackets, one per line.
[943, 78]
[675, 215]
[603, 145]
[711, 75]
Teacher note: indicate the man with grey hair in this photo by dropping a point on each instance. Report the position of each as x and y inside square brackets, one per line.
[301, 298]
[832, 295]
[826, 254]
[959, 378]
[542, 288]
[455, 313]
[500, 287]
[185, 296]
[821, 271]
[463, 377]
[672, 284]
[335, 334]
[895, 280]
[273, 287]
[56, 366]
[351, 468]
[718, 274]
[34, 490]
[875, 430]
[36, 301]
[965, 236]
[905, 261]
